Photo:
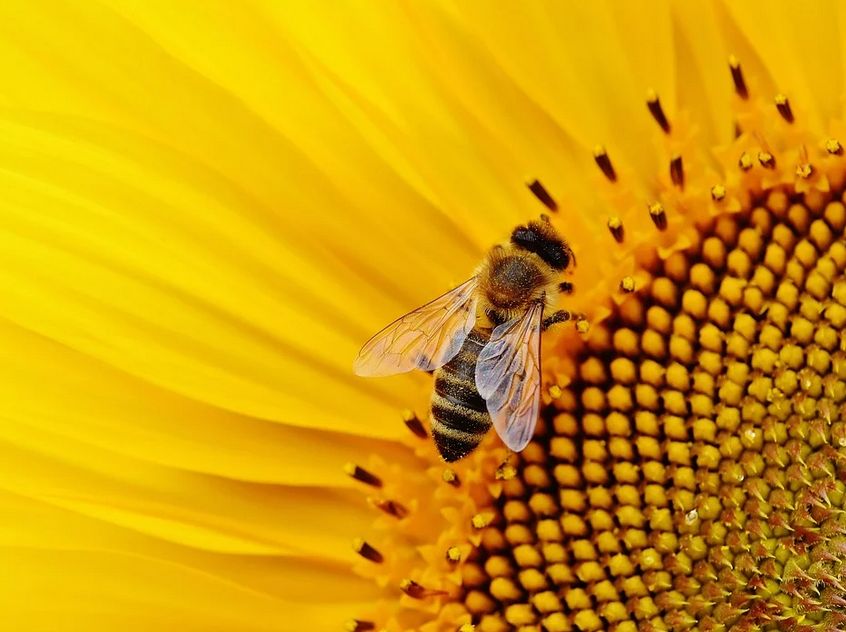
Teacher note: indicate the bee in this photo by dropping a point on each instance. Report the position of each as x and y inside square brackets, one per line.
[487, 370]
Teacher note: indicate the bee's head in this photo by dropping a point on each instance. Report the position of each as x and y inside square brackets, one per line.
[540, 238]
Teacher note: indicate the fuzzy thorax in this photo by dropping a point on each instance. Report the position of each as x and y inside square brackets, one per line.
[511, 279]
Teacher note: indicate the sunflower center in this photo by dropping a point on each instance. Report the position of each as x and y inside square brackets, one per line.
[689, 471]
[692, 473]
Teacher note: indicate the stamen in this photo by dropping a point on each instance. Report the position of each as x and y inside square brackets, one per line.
[482, 520]
[356, 625]
[615, 225]
[366, 551]
[467, 627]
[766, 159]
[543, 195]
[449, 476]
[737, 78]
[659, 217]
[654, 105]
[505, 471]
[413, 423]
[745, 161]
[604, 163]
[453, 554]
[805, 170]
[718, 192]
[833, 146]
[416, 591]
[627, 284]
[677, 171]
[783, 107]
[362, 475]
[390, 507]
[582, 325]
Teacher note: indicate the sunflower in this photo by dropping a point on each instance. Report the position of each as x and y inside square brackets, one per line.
[207, 208]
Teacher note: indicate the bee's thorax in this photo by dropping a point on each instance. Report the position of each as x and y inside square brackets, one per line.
[512, 279]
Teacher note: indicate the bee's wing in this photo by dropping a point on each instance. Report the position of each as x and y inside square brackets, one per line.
[508, 377]
[426, 339]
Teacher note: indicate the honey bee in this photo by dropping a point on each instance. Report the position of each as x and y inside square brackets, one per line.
[487, 371]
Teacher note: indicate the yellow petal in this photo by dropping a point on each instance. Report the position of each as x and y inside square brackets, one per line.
[72, 395]
[104, 590]
[281, 577]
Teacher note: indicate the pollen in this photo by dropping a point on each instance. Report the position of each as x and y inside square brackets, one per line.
[833, 146]
[718, 192]
[687, 471]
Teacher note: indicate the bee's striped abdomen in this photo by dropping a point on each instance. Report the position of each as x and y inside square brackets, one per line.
[459, 415]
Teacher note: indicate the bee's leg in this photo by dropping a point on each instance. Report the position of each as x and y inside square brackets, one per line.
[561, 316]
[565, 287]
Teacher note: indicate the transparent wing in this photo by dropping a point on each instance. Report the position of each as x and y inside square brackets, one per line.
[508, 377]
[426, 339]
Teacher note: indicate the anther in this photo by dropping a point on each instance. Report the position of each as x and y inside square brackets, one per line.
[627, 284]
[737, 78]
[659, 217]
[543, 195]
[745, 161]
[366, 551]
[783, 107]
[766, 159]
[604, 163]
[677, 171]
[582, 325]
[566, 287]
[390, 507]
[615, 225]
[505, 471]
[833, 146]
[453, 554]
[356, 625]
[805, 170]
[481, 520]
[654, 105]
[449, 476]
[412, 421]
[467, 627]
[416, 591]
[362, 475]
[718, 192]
